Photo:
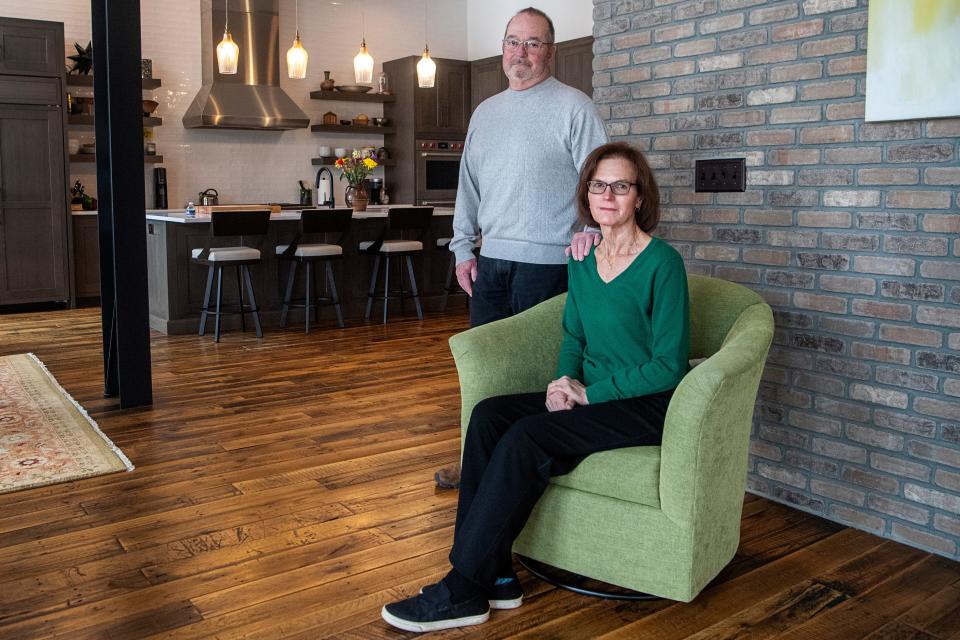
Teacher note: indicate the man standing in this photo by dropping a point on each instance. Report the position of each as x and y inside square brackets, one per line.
[518, 176]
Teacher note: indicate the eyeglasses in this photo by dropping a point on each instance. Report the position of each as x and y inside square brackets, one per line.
[619, 188]
[512, 44]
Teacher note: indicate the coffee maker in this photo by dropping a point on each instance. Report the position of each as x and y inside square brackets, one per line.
[375, 190]
[159, 188]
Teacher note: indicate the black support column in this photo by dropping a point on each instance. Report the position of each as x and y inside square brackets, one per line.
[120, 191]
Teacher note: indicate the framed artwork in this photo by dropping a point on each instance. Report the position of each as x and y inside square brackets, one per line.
[913, 59]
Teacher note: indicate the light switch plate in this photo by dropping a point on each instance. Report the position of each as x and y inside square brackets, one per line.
[727, 174]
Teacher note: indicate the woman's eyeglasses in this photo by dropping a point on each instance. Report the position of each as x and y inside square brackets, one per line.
[619, 188]
[512, 44]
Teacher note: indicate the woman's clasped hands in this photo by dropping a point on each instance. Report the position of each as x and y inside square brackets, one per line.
[566, 393]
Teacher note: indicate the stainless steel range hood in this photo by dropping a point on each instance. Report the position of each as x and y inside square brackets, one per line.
[251, 99]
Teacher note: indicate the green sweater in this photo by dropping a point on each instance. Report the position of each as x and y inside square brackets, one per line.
[629, 337]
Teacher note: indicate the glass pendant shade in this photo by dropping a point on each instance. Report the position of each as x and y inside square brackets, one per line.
[426, 70]
[297, 60]
[228, 53]
[363, 65]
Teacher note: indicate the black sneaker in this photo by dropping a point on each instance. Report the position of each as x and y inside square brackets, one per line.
[508, 595]
[432, 610]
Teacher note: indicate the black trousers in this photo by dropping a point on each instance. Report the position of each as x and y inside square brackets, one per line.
[504, 288]
[513, 446]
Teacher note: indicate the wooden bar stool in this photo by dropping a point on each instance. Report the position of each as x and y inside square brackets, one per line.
[314, 222]
[245, 224]
[413, 221]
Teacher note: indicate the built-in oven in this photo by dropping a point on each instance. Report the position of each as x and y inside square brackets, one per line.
[437, 171]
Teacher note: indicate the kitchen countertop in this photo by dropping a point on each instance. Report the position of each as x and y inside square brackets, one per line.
[179, 215]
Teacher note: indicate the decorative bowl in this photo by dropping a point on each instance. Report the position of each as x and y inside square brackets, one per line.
[149, 106]
[346, 123]
[353, 88]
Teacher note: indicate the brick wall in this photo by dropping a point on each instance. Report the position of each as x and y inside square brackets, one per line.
[848, 229]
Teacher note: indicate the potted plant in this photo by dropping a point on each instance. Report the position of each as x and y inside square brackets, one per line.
[355, 169]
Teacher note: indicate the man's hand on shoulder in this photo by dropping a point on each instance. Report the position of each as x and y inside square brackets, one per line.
[467, 275]
[581, 244]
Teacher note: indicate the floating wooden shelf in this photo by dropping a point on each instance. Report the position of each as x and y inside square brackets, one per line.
[329, 160]
[92, 157]
[352, 128]
[87, 81]
[348, 96]
[89, 121]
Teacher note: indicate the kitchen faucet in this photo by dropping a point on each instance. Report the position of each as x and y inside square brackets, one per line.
[329, 202]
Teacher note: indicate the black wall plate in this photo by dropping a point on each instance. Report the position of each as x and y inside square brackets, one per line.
[728, 174]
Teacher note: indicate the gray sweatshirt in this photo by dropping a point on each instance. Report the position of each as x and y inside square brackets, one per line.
[519, 172]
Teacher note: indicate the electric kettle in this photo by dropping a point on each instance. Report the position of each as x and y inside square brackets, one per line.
[209, 197]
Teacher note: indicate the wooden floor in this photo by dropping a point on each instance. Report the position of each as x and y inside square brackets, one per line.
[284, 489]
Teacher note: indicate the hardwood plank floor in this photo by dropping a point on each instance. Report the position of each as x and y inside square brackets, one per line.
[284, 489]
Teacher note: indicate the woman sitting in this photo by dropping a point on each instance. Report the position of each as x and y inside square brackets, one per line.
[625, 349]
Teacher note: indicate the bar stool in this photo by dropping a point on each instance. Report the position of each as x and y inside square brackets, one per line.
[400, 219]
[232, 223]
[312, 222]
[450, 285]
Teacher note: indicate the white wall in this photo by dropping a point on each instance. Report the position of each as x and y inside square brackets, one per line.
[488, 18]
[259, 166]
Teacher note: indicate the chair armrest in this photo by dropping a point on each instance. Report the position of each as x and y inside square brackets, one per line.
[514, 355]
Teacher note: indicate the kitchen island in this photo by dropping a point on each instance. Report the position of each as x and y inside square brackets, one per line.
[177, 283]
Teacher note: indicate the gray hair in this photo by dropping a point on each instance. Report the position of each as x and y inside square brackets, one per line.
[533, 11]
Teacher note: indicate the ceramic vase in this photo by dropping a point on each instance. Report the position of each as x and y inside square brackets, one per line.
[356, 196]
[328, 82]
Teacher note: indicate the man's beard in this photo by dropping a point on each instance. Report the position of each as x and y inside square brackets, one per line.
[521, 71]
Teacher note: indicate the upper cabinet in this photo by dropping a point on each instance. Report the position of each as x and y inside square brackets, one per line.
[442, 111]
[31, 47]
[487, 79]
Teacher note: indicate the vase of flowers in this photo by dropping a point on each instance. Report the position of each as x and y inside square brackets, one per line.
[355, 168]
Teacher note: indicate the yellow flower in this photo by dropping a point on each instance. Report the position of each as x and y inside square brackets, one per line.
[370, 163]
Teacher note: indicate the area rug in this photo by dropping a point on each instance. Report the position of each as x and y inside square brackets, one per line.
[45, 436]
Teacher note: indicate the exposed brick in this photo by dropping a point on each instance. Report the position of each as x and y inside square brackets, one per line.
[948, 480]
[856, 328]
[781, 178]
[738, 274]
[727, 5]
[882, 353]
[839, 450]
[826, 6]
[720, 101]
[886, 266]
[844, 66]
[907, 379]
[794, 72]
[932, 497]
[871, 131]
[887, 220]
[825, 344]
[846, 368]
[789, 279]
[718, 216]
[828, 90]
[941, 361]
[793, 198]
[850, 241]
[900, 467]
[916, 245]
[797, 30]
[675, 68]
[742, 78]
[814, 422]
[633, 74]
[769, 217]
[828, 46]
[888, 176]
[942, 175]
[826, 177]
[720, 62]
[938, 408]
[764, 450]
[602, 95]
[840, 219]
[650, 125]
[719, 140]
[746, 197]
[831, 261]
[951, 387]
[836, 491]
[610, 27]
[651, 54]
[774, 14]
[651, 90]
[847, 284]
[689, 123]
[611, 61]
[675, 105]
[849, 22]
[868, 479]
[820, 466]
[899, 509]
[716, 253]
[940, 270]
[919, 199]
[771, 137]
[675, 32]
[912, 290]
[769, 55]
[852, 155]
[845, 111]
[879, 395]
[954, 341]
[784, 395]
[630, 110]
[799, 499]
[651, 17]
[923, 539]
[695, 47]
[911, 335]
[940, 316]
[631, 40]
[618, 128]
[784, 115]
[825, 135]
[856, 518]
[783, 436]
[743, 39]
[792, 156]
[722, 23]
[920, 153]
[743, 118]
[946, 524]
[688, 232]
[666, 143]
[695, 9]
[862, 198]
[877, 309]
[767, 256]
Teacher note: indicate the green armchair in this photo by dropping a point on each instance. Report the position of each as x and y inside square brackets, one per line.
[661, 520]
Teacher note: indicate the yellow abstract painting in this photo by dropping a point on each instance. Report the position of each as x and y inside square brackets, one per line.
[913, 59]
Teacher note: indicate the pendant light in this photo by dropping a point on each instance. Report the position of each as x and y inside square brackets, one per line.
[297, 55]
[228, 53]
[363, 61]
[426, 68]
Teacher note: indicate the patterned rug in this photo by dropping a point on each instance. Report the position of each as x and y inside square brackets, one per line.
[45, 436]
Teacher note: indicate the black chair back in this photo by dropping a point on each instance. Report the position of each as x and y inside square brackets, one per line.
[410, 219]
[239, 223]
[325, 220]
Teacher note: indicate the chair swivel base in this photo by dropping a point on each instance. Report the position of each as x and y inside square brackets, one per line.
[578, 584]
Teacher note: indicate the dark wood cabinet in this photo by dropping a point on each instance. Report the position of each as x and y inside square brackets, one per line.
[34, 234]
[31, 47]
[86, 256]
[443, 111]
[487, 79]
[573, 64]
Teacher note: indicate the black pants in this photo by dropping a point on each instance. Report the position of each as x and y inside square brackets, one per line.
[512, 447]
[504, 288]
